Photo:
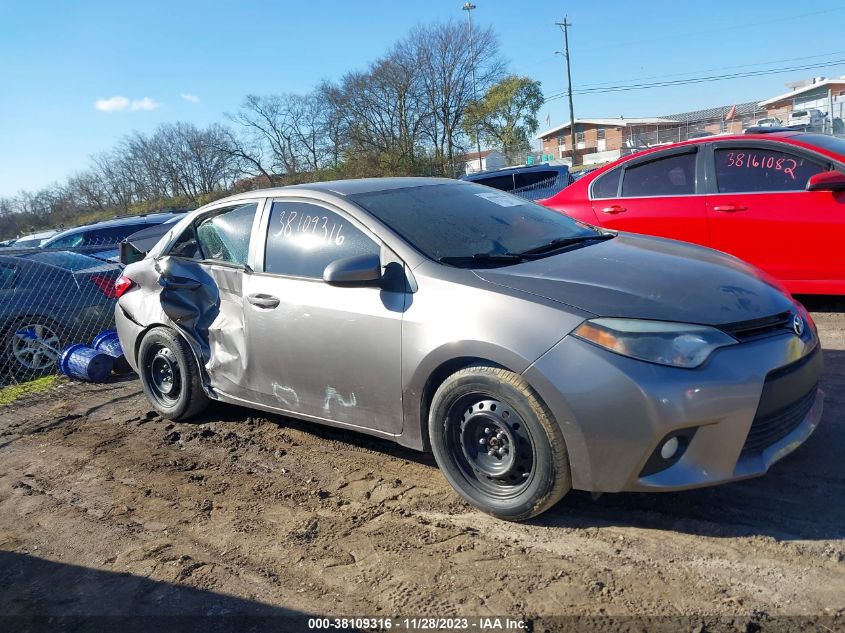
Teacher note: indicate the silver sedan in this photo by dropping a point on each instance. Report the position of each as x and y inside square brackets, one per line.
[531, 353]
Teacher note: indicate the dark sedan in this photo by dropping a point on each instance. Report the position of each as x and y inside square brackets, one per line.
[48, 300]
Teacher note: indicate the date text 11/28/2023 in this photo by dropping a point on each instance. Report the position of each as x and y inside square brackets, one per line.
[420, 624]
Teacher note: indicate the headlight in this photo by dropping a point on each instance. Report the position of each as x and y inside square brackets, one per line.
[673, 344]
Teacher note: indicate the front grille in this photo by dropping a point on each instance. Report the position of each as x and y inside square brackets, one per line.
[773, 427]
[759, 328]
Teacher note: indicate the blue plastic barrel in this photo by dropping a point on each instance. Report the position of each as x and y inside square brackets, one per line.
[86, 363]
[108, 342]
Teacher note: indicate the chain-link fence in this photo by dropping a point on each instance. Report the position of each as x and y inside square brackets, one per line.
[600, 141]
[50, 299]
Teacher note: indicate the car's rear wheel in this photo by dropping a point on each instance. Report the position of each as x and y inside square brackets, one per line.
[497, 443]
[31, 347]
[169, 375]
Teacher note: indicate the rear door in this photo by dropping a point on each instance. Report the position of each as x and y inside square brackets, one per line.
[759, 211]
[202, 288]
[660, 194]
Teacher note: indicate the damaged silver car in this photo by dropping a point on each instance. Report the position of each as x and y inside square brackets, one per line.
[531, 353]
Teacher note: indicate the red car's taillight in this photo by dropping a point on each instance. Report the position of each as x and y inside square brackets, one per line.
[106, 285]
[122, 286]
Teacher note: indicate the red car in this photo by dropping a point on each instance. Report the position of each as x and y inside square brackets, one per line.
[776, 200]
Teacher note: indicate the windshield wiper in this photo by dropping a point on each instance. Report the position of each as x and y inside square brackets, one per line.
[562, 242]
[483, 258]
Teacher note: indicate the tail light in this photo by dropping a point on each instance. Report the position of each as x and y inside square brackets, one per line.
[122, 286]
[106, 284]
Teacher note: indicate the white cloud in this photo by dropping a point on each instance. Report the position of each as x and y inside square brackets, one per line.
[187, 96]
[112, 104]
[118, 104]
[144, 104]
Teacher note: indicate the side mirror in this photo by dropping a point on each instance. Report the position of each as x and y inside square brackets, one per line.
[826, 181]
[364, 270]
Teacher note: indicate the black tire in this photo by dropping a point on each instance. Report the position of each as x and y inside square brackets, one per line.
[23, 363]
[498, 444]
[164, 353]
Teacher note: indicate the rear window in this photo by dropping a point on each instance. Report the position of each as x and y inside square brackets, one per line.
[504, 183]
[64, 259]
[529, 178]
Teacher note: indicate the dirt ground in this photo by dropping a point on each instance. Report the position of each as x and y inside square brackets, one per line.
[107, 509]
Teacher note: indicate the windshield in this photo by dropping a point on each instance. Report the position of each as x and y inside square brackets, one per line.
[462, 219]
[830, 143]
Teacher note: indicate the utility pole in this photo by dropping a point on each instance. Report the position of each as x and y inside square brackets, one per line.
[468, 7]
[564, 26]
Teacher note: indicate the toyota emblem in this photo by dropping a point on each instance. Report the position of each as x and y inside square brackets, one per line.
[798, 325]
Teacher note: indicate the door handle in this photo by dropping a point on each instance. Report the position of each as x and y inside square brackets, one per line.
[614, 209]
[730, 208]
[263, 301]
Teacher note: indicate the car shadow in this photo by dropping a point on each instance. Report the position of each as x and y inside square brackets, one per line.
[39, 594]
[802, 497]
[224, 412]
[822, 303]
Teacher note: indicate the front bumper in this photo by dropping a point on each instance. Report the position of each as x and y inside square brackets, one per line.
[615, 411]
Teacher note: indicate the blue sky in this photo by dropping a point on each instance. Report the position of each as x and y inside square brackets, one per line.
[58, 58]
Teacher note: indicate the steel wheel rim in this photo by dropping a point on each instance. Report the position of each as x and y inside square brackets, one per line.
[163, 375]
[491, 445]
[35, 346]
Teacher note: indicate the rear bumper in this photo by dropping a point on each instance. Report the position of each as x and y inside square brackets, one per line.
[128, 332]
[746, 408]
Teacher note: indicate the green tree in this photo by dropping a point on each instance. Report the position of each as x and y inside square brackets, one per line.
[506, 117]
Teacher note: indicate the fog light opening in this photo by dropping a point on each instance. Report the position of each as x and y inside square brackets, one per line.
[668, 451]
[669, 448]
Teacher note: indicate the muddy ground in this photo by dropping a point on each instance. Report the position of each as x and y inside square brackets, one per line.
[106, 508]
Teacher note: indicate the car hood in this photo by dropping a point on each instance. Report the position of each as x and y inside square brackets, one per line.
[649, 278]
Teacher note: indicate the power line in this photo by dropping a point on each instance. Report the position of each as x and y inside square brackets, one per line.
[695, 80]
[708, 70]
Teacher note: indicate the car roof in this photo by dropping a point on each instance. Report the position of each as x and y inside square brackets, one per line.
[38, 236]
[151, 218]
[796, 138]
[342, 187]
[516, 170]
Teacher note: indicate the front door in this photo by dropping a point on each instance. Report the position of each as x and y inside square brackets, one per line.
[658, 196]
[761, 212]
[315, 349]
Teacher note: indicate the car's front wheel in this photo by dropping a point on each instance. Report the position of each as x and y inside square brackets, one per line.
[497, 443]
[169, 375]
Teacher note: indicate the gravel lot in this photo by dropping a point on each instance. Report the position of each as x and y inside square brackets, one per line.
[105, 508]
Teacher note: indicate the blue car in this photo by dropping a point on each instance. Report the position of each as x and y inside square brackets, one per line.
[49, 299]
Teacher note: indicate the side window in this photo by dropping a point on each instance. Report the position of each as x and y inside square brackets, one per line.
[607, 185]
[503, 183]
[224, 236]
[186, 246]
[746, 170]
[670, 176]
[304, 238]
[68, 241]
